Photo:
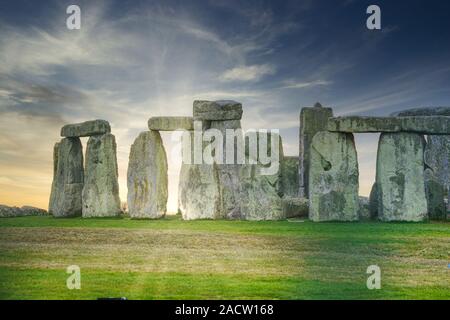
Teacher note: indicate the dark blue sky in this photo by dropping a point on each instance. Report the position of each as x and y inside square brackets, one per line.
[136, 59]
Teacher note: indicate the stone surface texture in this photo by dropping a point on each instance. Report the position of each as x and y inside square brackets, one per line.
[400, 177]
[67, 186]
[217, 110]
[147, 178]
[294, 207]
[229, 179]
[333, 178]
[9, 212]
[312, 120]
[436, 125]
[101, 187]
[171, 123]
[434, 191]
[86, 129]
[289, 176]
[199, 190]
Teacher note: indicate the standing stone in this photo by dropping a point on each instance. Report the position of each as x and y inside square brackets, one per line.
[259, 198]
[55, 180]
[373, 202]
[435, 196]
[400, 177]
[229, 173]
[333, 178]
[147, 177]
[101, 188]
[289, 176]
[364, 208]
[312, 120]
[437, 150]
[437, 157]
[67, 186]
[199, 191]
[261, 190]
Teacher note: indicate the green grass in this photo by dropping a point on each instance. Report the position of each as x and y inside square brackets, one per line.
[175, 259]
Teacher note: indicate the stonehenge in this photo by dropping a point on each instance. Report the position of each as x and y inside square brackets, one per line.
[411, 174]
[91, 190]
[228, 173]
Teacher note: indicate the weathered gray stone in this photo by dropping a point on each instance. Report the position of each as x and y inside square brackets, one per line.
[7, 212]
[217, 110]
[435, 196]
[426, 111]
[199, 191]
[435, 125]
[229, 173]
[270, 162]
[312, 120]
[86, 129]
[333, 178]
[295, 207]
[171, 123]
[67, 186]
[289, 176]
[364, 208]
[373, 202]
[261, 186]
[400, 177]
[437, 157]
[101, 188]
[259, 197]
[147, 177]
[55, 187]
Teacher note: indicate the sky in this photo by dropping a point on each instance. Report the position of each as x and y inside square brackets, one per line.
[132, 60]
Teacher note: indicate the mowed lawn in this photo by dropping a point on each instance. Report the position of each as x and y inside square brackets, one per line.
[175, 259]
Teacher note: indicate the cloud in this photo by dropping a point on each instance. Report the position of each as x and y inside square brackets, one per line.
[301, 85]
[248, 73]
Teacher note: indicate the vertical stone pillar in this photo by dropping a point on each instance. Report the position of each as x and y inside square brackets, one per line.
[67, 186]
[147, 177]
[312, 120]
[333, 178]
[101, 187]
[229, 173]
[434, 191]
[400, 177]
[261, 186]
[211, 190]
[437, 158]
[51, 205]
[199, 192]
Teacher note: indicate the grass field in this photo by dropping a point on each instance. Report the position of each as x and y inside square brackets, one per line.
[175, 259]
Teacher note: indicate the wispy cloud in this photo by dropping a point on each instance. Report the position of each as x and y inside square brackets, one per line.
[291, 84]
[248, 73]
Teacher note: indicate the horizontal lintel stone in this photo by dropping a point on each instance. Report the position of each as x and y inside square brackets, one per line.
[435, 125]
[171, 123]
[86, 129]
